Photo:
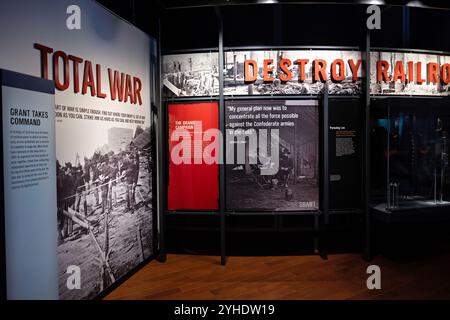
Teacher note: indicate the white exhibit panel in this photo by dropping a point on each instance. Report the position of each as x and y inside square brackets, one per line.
[102, 121]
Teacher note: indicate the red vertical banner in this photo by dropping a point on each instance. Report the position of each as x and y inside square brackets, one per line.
[193, 182]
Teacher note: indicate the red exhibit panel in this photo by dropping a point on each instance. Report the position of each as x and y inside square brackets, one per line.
[193, 179]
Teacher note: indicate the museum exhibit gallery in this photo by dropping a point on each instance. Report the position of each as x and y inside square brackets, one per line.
[272, 134]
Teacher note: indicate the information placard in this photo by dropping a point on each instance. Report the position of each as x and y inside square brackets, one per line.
[272, 151]
[193, 183]
[29, 184]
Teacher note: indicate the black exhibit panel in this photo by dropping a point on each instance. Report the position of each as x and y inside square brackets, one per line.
[272, 155]
[345, 155]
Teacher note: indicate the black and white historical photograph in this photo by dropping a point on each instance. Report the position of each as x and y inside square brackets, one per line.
[279, 169]
[234, 73]
[193, 74]
[410, 86]
[105, 210]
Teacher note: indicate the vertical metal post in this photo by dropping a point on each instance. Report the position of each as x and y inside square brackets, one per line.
[325, 173]
[326, 159]
[366, 178]
[223, 257]
[161, 154]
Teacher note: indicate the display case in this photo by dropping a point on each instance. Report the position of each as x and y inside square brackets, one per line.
[409, 153]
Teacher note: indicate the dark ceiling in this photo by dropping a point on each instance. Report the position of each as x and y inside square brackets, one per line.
[187, 24]
[168, 4]
[177, 4]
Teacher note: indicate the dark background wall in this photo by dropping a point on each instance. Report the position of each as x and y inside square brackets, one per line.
[185, 25]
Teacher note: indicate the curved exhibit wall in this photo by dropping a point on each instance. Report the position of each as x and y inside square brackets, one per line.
[294, 56]
[252, 76]
[292, 72]
[409, 73]
[103, 145]
[304, 72]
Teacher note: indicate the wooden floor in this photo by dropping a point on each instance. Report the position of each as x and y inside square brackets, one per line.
[290, 277]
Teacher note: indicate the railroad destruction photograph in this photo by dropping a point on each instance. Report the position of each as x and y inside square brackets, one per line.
[105, 211]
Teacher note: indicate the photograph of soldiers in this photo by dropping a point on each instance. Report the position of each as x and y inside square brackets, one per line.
[105, 214]
[65, 185]
[286, 167]
[104, 180]
[113, 176]
[80, 183]
[131, 171]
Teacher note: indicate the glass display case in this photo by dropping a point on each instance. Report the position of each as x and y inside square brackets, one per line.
[409, 153]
